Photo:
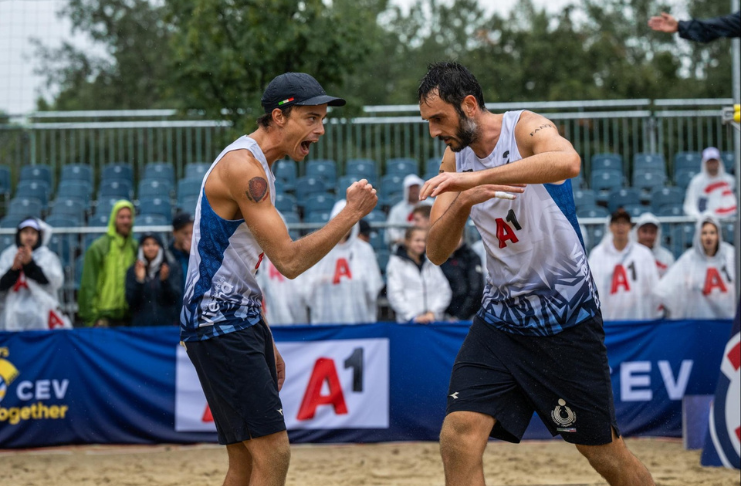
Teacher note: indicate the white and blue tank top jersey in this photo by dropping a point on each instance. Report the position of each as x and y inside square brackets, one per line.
[221, 293]
[538, 281]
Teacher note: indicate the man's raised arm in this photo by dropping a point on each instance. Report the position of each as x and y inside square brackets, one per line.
[249, 187]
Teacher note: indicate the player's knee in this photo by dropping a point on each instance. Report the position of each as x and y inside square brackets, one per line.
[272, 451]
[605, 458]
[460, 432]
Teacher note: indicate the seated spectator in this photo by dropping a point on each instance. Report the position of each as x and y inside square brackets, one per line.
[31, 276]
[647, 232]
[343, 287]
[401, 213]
[416, 288]
[182, 235]
[283, 299]
[712, 189]
[464, 273]
[700, 284]
[102, 295]
[153, 286]
[421, 216]
[625, 274]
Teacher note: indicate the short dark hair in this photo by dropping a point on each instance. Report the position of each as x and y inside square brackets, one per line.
[620, 214]
[424, 210]
[410, 231]
[266, 120]
[453, 83]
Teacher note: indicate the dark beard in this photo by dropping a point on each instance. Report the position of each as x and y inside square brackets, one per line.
[465, 135]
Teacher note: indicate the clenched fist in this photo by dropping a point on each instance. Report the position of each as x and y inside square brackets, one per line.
[361, 197]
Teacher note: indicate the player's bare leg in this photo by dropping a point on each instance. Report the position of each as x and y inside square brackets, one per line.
[269, 458]
[462, 442]
[617, 464]
[240, 465]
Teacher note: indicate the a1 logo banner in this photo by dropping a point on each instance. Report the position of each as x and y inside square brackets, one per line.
[336, 384]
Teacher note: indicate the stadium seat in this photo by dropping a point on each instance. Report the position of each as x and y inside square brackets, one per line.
[432, 166]
[11, 221]
[593, 212]
[280, 187]
[21, 207]
[636, 210]
[729, 162]
[63, 221]
[607, 162]
[584, 198]
[378, 239]
[623, 197]
[79, 261]
[681, 238]
[648, 180]
[392, 185]
[382, 255]
[105, 205]
[605, 181]
[118, 171]
[291, 218]
[306, 186]
[666, 196]
[75, 189]
[286, 171]
[119, 188]
[687, 161]
[375, 216]
[326, 170]
[64, 246]
[727, 231]
[402, 166]
[429, 175]
[163, 171]
[152, 220]
[77, 172]
[669, 211]
[73, 209]
[37, 173]
[342, 184]
[154, 188]
[645, 161]
[190, 186]
[99, 220]
[318, 217]
[156, 205]
[578, 181]
[188, 204]
[392, 200]
[362, 169]
[36, 189]
[319, 203]
[196, 170]
[4, 180]
[595, 234]
[285, 203]
[682, 178]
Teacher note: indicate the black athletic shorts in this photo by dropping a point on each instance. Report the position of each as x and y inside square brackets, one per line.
[565, 378]
[238, 376]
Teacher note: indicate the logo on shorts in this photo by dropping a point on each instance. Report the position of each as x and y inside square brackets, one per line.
[563, 416]
[454, 395]
[280, 411]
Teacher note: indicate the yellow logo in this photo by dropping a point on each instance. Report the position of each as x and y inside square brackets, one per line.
[8, 372]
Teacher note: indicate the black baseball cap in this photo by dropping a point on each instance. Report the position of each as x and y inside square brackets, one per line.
[298, 89]
[180, 220]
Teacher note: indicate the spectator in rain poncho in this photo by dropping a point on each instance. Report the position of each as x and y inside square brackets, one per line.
[647, 232]
[700, 284]
[343, 287]
[30, 276]
[416, 288]
[284, 300]
[402, 212]
[712, 189]
[625, 274]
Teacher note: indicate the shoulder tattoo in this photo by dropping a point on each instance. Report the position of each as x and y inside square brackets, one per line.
[258, 189]
[546, 125]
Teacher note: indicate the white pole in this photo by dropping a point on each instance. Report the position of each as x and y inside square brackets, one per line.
[736, 66]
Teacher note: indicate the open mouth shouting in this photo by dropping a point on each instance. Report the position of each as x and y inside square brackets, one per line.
[305, 146]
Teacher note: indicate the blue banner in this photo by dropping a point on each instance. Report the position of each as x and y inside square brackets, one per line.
[133, 385]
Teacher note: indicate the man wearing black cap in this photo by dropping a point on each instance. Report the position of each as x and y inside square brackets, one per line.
[222, 326]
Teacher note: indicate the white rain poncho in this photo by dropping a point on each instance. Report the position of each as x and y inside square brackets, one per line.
[401, 212]
[700, 286]
[664, 258]
[29, 305]
[284, 301]
[711, 193]
[343, 287]
[624, 281]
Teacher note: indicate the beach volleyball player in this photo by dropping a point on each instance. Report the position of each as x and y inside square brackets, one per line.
[226, 338]
[537, 343]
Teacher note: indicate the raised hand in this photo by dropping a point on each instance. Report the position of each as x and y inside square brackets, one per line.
[664, 23]
[361, 197]
[448, 182]
[164, 271]
[140, 270]
[483, 193]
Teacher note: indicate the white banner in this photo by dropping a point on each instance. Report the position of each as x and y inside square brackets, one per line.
[335, 384]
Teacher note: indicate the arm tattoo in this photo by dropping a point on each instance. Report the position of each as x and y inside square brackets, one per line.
[446, 211]
[258, 189]
[547, 125]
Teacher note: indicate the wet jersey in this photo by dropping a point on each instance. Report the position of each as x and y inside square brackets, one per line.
[221, 292]
[538, 278]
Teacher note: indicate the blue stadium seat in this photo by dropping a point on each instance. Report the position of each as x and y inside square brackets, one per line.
[79, 261]
[163, 171]
[319, 203]
[727, 231]
[326, 170]
[584, 198]
[306, 186]
[11, 221]
[636, 210]
[318, 217]
[63, 221]
[607, 161]
[605, 181]
[285, 203]
[154, 188]
[105, 205]
[681, 238]
[666, 196]
[190, 186]
[682, 178]
[687, 161]
[429, 175]
[156, 205]
[39, 172]
[342, 184]
[196, 170]
[362, 169]
[375, 216]
[64, 246]
[432, 166]
[25, 206]
[75, 189]
[4, 180]
[377, 239]
[623, 197]
[392, 185]
[77, 172]
[578, 181]
[729, 162]
[290, 218]
[72, 209]
[280, 187]
[593, 212]
[648, 180]
[154, 219]
[285, 170]
[392, 200]
[99, 220]
[595, 234]
[645, 161]
[119, 188]
[118, 171]
[402, 166]
[188, 204]
[36, 189]
[382, 255]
